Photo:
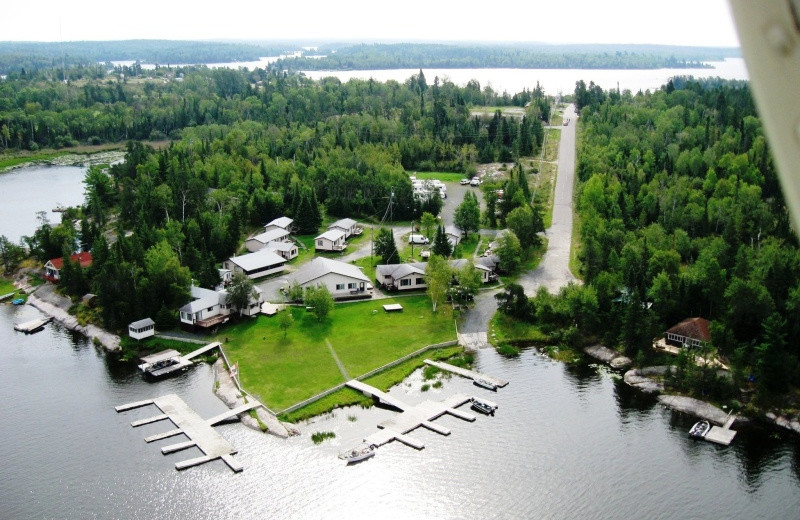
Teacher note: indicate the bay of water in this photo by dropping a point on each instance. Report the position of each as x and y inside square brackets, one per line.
[566, 442]
[37, 188]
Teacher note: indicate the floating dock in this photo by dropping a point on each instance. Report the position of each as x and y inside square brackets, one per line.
[33, 325]
[469, 374]
[411, 417]
[722, 434]
[199, 431]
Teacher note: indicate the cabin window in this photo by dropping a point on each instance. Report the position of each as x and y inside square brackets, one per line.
[404, 282]
[210, 309]
[340, 287]
[420, 281]
[351, 286]
[320, 243]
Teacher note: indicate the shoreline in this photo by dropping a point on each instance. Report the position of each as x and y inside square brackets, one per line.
[638, 379]
[55, 306]
[71, 159]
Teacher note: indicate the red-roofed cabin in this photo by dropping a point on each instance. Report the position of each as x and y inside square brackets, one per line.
[691, 332]
[52, 269]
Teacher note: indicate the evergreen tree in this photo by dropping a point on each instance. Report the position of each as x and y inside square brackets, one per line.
[441, 245]
[385, 246]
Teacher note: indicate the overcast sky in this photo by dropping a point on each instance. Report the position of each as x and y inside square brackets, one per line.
[678, 22]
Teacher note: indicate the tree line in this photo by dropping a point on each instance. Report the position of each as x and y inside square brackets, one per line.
[525, 56]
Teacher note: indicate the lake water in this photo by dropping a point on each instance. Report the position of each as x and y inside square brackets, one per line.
[554, 81]
[37, 188]
[566, 442]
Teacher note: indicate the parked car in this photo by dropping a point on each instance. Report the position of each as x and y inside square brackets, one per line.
[475, 182]
[464, 181]
[415, 238]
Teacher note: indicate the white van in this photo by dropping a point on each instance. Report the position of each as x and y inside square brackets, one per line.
[414, 238]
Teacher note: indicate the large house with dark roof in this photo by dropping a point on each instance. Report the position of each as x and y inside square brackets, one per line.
[344, 281]
[691, 332]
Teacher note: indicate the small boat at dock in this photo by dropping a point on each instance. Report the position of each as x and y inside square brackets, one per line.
[17, 301]
[699, 430]
[479, 405]
[485, 384]
[358, 453]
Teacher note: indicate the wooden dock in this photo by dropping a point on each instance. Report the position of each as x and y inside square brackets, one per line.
[199, 431]
[7, 296]
[411, 417]
[33, 325]
[469, 374]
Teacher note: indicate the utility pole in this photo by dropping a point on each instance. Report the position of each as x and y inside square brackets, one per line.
[412, 240]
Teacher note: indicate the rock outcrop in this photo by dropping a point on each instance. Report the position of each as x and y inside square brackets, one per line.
[53, 304]
[695, 407]
[229, 393]
[607, 355]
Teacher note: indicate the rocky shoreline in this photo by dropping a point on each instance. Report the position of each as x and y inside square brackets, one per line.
[229, 393]
[640, 379]
[56, 306]
[73, 159]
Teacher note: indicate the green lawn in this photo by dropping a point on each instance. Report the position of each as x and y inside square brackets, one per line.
[466, 248]
[283, 372]
[6, 286]
[551, 146]
[442, 176]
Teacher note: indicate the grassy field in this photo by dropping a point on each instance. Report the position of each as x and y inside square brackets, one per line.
[442, 176]
[551, 146]
[6, 286]
[382, 381]
[544, 188]
[282, 372]
[557, 118]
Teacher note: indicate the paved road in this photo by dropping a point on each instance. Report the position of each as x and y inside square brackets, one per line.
[553, 271]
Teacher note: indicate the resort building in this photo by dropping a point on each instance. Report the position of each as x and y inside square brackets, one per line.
[258, 242]
[331, 240]
[255, 265]
[344, 281]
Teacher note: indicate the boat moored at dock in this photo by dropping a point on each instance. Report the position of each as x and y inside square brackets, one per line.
[483, 383]
[359, 453]
[699, 430]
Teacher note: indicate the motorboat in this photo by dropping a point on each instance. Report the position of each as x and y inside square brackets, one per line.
[485, 384]
[358, 453]
[699, 430]
[18, 301]
[482, 406]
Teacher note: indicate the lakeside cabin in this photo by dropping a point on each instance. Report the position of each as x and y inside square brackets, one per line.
[256, 265]
[210, 308]
[347, 226]
[52, 268]
[406, 277]
[331, 240]
[287, 250]
[284, 223]
[142, 329]
[344, 281]
[691, 332]
[258, 242]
